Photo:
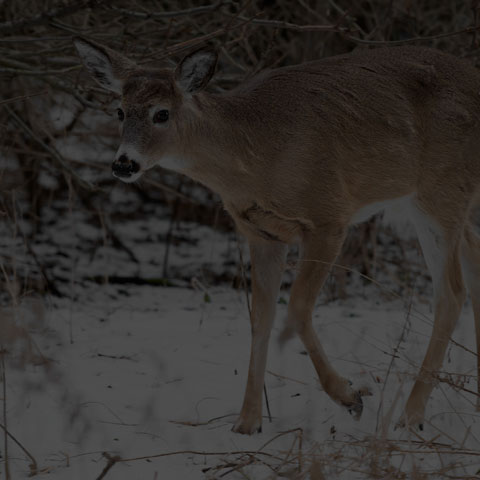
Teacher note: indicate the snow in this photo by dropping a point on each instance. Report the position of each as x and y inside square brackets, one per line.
[149, 371]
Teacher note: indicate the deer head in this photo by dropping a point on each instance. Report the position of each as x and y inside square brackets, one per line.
[156, 105]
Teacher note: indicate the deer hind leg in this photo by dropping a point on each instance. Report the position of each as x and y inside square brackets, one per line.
[471, 271]
[268, 263]
[440, 240]
[319, 253]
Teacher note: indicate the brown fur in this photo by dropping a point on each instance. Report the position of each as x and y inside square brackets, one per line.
[296, 152]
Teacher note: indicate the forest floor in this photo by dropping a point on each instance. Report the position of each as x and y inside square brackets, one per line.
[150, 376]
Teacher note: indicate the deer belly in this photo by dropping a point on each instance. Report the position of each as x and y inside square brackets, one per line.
[397, 210]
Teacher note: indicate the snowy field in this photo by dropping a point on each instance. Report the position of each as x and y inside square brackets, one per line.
[152, 377]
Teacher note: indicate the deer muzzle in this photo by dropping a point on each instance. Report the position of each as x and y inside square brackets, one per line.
[123, 167]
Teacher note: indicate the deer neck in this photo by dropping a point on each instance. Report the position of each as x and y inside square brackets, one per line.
[219, 145]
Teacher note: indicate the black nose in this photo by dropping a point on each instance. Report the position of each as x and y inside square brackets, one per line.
[124, 167]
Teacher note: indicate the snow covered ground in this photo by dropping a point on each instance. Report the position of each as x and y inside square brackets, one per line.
[153, 376]
[155, 372]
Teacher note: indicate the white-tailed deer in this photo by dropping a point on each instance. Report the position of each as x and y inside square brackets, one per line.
[298, 154]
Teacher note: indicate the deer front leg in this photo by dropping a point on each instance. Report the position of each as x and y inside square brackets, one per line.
[268, 263]
[320, 249]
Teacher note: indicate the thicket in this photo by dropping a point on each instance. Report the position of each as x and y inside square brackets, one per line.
[51, 111]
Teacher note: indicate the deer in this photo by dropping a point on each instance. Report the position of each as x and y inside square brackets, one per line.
[301, 152]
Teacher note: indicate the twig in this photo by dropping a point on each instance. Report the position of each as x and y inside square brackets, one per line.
[295, 27]
[179, 13]
[198, 424]
[392, 359]
[286, 460]
[109, 465]
[50, 284]
[60, 85]
[54, 153]
[5, 436]
[452, 384]
[235, 468]
[33, 465]
[267, 403]
[37, 73]
[51, 287]
[182, 46]
[22, 97]
[202, 453]
[300, 450]
[169, 236]
[412, 39]
[45, 17]
[244, 278]
[279, 435]
[286, 378]
[99, 219]
[117, 459]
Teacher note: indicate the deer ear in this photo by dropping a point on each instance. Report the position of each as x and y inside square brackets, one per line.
[196, 69]
[106, 66]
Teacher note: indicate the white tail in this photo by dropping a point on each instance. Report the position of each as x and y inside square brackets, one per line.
[298, 154]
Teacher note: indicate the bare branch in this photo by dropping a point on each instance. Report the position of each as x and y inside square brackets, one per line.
[45, 17]
[18, 71]
[295, 27]
[174, 14]
[412, 39]
[54, 153]
[22, 97]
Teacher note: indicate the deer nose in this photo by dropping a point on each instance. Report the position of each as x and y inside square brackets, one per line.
[124, 167]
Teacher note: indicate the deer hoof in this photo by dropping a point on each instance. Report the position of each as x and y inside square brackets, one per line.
[246, 427]
[412, 423]
[355, 408]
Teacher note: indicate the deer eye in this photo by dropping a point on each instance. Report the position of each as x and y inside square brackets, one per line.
[120, 114]
[161, 116]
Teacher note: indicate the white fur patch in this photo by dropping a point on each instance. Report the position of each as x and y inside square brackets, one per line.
[132, 154]
[396, 211]
[172, 162]
[133, 178]
[433, 244]
[368, 211]
[403, 210]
